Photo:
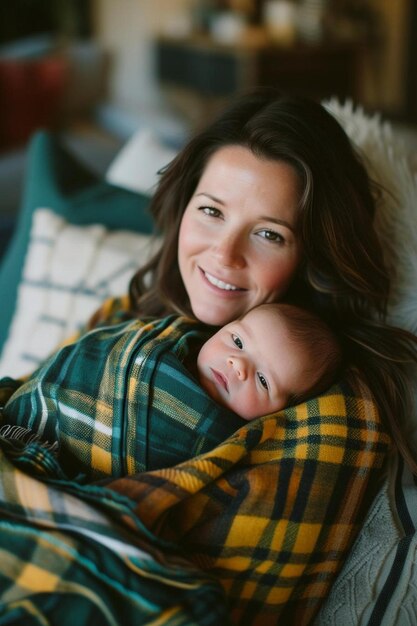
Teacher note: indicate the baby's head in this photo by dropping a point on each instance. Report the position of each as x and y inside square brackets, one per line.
[273, 356]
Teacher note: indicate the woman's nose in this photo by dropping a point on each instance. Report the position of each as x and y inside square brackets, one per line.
[229, 251]
[239, 366]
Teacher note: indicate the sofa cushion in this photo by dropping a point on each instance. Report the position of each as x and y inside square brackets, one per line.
[57, 180]
[137, 164]
[68, 272]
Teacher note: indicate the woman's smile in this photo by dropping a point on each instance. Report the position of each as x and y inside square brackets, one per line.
[238, 243]
[219, 283]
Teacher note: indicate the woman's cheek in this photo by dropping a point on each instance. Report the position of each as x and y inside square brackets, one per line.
[276, 274]
[186, 239]
[191, 230]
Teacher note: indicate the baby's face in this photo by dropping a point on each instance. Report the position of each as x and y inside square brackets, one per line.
[252, 367]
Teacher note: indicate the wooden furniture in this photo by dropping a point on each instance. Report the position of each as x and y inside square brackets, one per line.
[207, 68]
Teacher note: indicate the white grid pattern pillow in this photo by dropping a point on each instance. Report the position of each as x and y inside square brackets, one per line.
[69, 270]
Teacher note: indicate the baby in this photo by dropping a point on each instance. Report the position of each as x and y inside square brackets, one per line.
[140, 395]
[275, 355]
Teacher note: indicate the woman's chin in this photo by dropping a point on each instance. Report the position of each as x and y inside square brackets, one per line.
[214, 315]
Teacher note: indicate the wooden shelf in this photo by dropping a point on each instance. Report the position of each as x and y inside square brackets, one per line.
[209, 68]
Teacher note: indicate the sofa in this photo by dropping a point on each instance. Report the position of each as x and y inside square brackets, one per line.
[78, 240]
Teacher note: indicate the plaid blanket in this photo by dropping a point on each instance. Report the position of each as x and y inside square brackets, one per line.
[271, 512]
[67, 556]
[120, 401]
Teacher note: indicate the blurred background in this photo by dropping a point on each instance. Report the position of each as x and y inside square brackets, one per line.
[96, 70]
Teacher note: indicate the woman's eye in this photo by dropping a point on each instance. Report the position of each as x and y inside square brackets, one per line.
[271, 235]
[237, 341]
[210, 211]
[263, 380]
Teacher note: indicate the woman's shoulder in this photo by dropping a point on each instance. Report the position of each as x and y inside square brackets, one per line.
[113, 311]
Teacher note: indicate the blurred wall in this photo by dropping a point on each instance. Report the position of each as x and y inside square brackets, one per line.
[126, 29]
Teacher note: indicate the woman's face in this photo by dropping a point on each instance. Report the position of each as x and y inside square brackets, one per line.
[238, 245]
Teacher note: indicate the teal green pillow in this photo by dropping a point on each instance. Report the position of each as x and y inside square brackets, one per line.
[55, 179]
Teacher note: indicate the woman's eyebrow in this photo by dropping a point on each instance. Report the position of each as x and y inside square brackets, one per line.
[275, 220]
[208, 195]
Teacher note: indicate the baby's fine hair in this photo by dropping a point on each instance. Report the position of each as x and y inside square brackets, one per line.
[307, 330]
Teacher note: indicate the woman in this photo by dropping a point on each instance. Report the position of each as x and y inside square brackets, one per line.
[271, 202]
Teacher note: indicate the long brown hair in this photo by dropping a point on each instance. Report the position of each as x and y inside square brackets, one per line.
[342, 275]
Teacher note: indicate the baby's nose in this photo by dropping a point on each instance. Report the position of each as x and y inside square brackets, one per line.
[239, 366]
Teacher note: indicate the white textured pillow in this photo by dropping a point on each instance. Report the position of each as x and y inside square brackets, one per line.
[137, 164]
[68, 272]
[396, 220]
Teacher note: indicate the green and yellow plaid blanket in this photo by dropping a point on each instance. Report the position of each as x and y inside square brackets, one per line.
[120, 401]
[68, 557]
[270, 513]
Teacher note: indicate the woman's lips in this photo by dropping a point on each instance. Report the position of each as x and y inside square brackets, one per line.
[217, 283]
[220, 379]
